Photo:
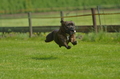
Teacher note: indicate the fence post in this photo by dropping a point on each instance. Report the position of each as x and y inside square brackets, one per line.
[30, 24]
[62, 15]
[94, 20]
[3, 32]
[98, 8]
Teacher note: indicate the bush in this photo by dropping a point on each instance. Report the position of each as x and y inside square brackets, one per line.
[90, 37]
[101, 37]
[21, 6]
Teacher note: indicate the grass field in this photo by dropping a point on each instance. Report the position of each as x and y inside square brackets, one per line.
[35, 59]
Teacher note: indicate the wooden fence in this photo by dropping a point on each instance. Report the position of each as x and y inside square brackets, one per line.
[85, 29]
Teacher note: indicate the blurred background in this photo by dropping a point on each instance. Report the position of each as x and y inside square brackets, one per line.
[22, 6]
[14, 13]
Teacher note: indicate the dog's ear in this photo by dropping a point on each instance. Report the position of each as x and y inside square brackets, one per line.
[61, 21]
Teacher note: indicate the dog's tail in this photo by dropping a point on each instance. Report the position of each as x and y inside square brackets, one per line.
[49, 37]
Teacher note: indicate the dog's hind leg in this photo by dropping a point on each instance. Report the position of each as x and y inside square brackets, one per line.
[49, 37]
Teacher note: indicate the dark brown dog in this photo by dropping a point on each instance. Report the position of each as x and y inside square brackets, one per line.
[64, 35]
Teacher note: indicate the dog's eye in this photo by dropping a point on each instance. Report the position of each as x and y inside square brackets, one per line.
[67, 27]
[68, 24]
[72, 24]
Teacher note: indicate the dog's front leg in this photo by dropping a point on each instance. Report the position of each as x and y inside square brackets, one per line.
[64, 42]
[66, 45]
[73, 39]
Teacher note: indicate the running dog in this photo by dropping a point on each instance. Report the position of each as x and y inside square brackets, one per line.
[64, 35]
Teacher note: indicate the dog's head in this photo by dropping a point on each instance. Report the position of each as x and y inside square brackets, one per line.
[68, 26]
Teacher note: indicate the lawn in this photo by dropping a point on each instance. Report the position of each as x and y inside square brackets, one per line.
[35, 59]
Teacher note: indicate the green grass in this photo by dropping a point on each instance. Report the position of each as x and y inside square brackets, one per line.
[32, 58]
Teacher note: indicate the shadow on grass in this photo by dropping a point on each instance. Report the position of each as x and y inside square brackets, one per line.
[44, 58]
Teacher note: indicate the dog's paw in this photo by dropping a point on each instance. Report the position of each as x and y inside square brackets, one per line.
[59, 46]
[68, 47]
[46, 41]
[74, 43]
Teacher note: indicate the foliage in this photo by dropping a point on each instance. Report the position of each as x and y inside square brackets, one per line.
[18, 6]
[90, 37]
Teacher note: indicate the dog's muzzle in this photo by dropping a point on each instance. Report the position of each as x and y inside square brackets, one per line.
[72, 32]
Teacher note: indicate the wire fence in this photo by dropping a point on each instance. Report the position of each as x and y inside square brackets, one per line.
[85, 21]
[83, 17]
[109, 19]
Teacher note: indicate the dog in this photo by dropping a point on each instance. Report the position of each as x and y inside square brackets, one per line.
[64, 35]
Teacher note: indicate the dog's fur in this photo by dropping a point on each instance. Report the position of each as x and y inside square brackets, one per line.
[64, 35]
